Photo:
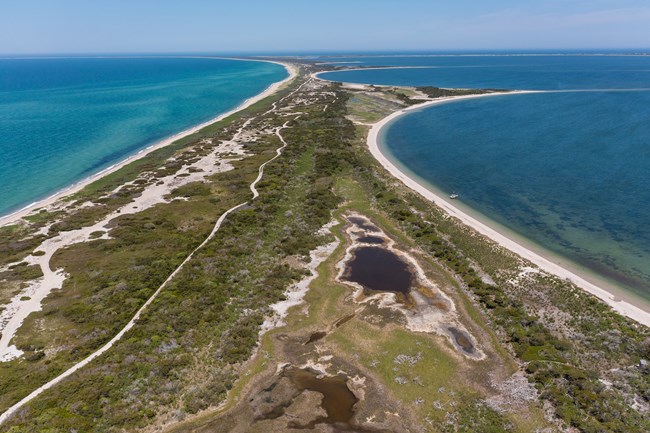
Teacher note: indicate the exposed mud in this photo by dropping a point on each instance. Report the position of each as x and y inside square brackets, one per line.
[332, 395]
[462, 339]
[363, 223]
[315, 336]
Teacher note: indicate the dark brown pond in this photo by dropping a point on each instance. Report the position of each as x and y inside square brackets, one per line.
[371, 240]
[362, 224]
[379, 269]
[343, 320]
[315, 336]
[338, 400]
[462, 339]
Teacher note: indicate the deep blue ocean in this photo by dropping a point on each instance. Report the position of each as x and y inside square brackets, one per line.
[64, 119]
[567, 170]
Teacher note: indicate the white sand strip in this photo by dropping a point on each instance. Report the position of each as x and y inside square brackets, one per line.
[370, 68]
[12, 317]
[622, 306]
[295, 294]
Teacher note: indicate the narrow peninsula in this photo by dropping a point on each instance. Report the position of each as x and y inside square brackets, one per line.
[273, 271]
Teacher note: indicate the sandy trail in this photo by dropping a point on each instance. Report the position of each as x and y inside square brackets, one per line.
[9, 412]
[12, 317]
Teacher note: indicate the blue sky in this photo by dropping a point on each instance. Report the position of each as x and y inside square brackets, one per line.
[110, 26]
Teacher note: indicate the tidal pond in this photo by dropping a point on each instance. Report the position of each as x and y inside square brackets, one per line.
[362, 223]
[371, 240]
[379, 269]
[338, 400]
[462, 340]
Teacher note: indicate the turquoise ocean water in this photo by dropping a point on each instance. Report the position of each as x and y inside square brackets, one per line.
[64, 119]
[567, 169]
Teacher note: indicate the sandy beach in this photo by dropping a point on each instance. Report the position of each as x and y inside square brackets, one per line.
[625, 307]
[15, 216]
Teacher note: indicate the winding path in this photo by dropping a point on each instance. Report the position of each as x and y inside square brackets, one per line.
[12, 410]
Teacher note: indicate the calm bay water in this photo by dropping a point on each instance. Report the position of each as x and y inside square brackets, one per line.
[568, 170]
[503, 72]
[64, 119]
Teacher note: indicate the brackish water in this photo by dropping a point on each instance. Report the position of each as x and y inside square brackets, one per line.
[462, 340]
[64, 119]
[338, 401]
[568, 170]
[371, 240]
[379, 269]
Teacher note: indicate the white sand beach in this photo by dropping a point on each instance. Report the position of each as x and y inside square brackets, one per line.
[625, 307]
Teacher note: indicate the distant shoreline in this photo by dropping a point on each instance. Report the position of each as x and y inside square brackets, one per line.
[15, 216]
[640, 53]
[628, 307]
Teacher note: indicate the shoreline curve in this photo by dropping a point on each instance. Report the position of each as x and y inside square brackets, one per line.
[624, 307]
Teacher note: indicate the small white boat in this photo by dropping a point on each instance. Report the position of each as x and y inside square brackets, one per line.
[453, 196]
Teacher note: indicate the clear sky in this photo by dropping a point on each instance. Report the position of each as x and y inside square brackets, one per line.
[121, 26]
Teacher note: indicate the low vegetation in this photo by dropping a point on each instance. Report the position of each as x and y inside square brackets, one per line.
[436, 92]
[196, 339]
